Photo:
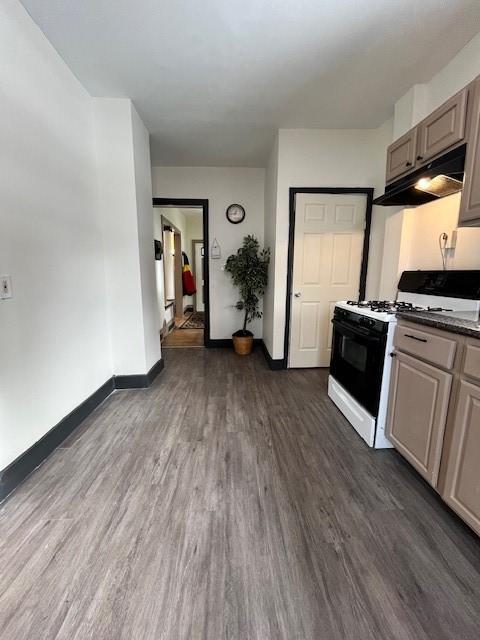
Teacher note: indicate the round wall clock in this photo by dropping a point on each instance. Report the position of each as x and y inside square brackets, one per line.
[235, 213]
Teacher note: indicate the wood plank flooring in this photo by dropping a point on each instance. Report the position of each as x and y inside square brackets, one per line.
[183, 338]
[231, 502]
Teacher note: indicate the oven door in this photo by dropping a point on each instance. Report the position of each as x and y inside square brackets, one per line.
[357, 362]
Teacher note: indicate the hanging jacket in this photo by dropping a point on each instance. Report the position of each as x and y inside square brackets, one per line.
[188, 280]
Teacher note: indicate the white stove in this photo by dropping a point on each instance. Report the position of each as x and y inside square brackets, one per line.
[363, 339]
[386, 310]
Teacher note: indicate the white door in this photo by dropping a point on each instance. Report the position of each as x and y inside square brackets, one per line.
[328, 245]
[199, 281]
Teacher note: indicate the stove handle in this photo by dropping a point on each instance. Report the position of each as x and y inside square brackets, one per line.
[355, 331]
[408, 335]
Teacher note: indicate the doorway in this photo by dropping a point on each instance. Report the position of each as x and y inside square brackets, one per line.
[327, 262]
[181, 227]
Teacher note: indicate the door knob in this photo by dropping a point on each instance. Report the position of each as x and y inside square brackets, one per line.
[297, 294]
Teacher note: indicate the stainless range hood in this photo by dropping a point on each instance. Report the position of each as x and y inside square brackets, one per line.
[437, 179]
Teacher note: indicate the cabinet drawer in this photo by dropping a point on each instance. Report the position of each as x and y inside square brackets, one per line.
[471, 363]
[444, 128]
[425, 345]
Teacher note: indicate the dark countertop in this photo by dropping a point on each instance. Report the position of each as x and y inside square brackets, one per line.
[450, 323]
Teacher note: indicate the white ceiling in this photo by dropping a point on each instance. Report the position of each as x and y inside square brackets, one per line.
[214, 79]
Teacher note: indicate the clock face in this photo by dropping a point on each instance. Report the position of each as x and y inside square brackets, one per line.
[235, 213]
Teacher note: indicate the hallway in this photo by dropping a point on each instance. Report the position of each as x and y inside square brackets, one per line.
[230, 501]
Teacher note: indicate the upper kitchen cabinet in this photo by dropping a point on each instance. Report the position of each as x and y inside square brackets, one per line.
[470, 203]
[443, 129]
[401, 155]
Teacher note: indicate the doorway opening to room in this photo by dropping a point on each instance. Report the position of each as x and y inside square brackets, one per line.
[327, 261]
[181, 268]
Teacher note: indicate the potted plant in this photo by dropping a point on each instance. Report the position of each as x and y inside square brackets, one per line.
[249, 270]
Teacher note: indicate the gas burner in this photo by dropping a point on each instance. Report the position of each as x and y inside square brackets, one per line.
[390, 306]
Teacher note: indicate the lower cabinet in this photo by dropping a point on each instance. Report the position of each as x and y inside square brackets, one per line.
[462, 482]
[419, 397]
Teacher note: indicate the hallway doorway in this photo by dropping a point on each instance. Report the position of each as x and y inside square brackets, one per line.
[181, 254]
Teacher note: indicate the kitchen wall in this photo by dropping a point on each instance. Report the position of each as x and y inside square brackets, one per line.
[221, 186]
[54, 340]
[422, 99]
[412, 242]
[411, 235]
[321, 158]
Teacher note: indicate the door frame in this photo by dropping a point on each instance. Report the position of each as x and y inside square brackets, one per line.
[367, 191]
[203, 203]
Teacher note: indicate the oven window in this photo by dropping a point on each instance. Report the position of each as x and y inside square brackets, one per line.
[354, 353]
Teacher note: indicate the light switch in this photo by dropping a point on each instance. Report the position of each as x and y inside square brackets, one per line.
[5, 287]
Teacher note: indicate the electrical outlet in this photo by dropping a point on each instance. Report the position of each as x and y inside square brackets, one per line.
[5, 287]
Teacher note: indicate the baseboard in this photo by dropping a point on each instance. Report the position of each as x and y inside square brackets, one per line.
[139, 380]
[227, 343]
[20, 468]
[274, 364]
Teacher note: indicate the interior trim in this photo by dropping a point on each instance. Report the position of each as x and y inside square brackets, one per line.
[221, 343]
[368, 191]
[19, 469]
[139, 380]
[273, 364]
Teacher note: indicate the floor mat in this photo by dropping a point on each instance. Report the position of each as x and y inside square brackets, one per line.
[195, 321]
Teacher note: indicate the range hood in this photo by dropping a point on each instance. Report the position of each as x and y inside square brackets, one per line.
[437, 179]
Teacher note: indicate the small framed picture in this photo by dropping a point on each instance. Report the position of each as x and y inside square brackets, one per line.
[158, 250]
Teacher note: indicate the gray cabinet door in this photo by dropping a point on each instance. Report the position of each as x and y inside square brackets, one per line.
[470, 204]
[444, 128]
[418, 404]
[462, 483]
[401, 155]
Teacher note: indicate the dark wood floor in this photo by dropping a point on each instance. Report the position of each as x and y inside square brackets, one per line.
[229, 501]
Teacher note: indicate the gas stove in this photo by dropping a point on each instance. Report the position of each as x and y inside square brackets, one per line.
[363, 339]
[389, 307]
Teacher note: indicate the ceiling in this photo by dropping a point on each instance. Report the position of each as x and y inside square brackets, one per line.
[214, 80]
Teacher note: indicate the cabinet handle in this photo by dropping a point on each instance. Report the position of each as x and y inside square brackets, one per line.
[419, 157]
[407, 335]
[408, 164]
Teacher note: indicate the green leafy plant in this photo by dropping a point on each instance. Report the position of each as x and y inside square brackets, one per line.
[249, 270]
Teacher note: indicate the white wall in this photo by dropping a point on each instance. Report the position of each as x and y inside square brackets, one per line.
[191, 228]
[143, 194]
[128, 238]
[194, 231]
[421, 100]
[411, 242]
[53, 341]
[325, 158]
[221, 186]
[271, 185]
[159, 266]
